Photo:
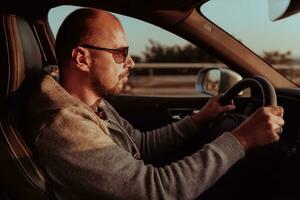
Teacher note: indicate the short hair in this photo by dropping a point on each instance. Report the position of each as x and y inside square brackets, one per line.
[71, 32]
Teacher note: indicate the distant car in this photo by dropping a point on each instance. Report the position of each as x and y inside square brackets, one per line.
[27, 46]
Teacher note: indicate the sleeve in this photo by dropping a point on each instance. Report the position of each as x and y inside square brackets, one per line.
[160, 142]
[80, 156]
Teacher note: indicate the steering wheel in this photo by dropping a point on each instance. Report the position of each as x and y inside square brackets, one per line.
[258, 85]
[260, 88]
[260, 164]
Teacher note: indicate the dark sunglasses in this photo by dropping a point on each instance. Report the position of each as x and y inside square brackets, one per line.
[119, 54]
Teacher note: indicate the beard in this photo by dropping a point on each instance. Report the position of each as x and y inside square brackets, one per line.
[99, 88]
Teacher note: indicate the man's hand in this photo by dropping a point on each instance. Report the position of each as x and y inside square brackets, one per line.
[211, 110]
[261, 128]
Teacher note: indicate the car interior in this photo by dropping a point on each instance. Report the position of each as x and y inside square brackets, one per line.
[20, 57]
[27, 46]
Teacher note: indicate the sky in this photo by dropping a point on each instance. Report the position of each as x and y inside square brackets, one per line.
[247, 20]
[138, 32]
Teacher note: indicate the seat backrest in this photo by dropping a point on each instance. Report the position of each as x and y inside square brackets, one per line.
[21, 176]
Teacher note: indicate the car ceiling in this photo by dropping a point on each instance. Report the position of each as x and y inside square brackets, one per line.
[128, 7]
[164, 13]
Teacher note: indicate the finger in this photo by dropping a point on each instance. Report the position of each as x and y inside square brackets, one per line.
[276, 121]
[276, 137]
[275, 124]
[280, 114]
[277, 110]
[278, 131]
[227, 108]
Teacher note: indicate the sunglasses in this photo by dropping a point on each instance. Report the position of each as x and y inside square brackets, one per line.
[119, 54]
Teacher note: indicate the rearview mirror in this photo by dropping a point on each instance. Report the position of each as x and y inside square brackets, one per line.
[216, 80]
[279, 9]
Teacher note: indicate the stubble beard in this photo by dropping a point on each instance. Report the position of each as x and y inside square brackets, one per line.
[101, 90]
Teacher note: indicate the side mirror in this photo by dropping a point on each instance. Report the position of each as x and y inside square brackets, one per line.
[216, 80]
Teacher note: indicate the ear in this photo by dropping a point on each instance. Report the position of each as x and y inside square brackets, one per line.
[81, 58]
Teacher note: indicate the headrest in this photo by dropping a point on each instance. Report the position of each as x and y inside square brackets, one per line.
[31, 51]
[20, 54]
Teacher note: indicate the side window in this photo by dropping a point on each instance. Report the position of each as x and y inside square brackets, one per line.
[166, 65]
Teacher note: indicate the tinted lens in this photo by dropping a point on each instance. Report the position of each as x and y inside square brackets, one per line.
[121, 55]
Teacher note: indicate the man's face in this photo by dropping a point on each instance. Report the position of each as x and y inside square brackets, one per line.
[109, 72]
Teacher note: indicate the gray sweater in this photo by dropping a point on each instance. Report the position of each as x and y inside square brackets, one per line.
[90, 158]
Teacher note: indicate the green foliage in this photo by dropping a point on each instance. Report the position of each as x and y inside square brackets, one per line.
[157, 52]
[276, 57]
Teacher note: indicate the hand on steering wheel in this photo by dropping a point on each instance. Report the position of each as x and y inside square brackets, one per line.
[264, 121]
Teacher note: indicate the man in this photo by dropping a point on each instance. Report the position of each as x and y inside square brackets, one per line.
[90, 152]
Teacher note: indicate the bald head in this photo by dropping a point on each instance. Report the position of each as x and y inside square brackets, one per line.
[90, 26]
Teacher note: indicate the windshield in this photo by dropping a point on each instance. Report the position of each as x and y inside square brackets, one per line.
[248, 21]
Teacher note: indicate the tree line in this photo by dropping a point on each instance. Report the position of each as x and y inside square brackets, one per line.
[157, 52]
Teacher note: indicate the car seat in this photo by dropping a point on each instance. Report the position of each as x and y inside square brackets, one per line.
[21, 176]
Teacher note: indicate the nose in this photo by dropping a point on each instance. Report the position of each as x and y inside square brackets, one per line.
[129, 63]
